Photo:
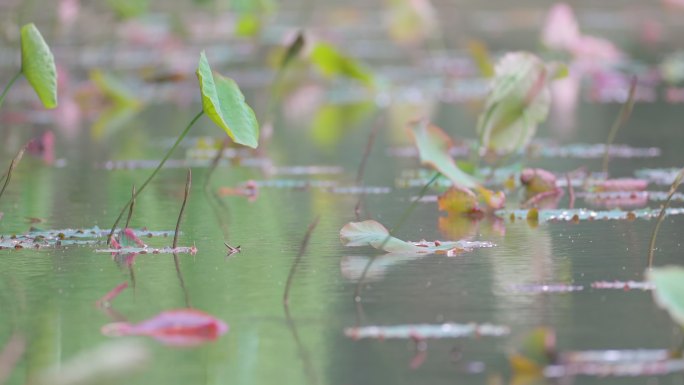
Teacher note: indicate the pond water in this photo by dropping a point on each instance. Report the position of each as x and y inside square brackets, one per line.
[49, 293]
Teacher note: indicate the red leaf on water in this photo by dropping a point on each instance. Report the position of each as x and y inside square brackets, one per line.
[182, 327]
[109, 297]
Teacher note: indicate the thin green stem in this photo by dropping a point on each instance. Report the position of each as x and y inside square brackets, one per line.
[293, 269]
[156, 170]
[188, 182]
[130, 208]
[12, 165]
[8, 86]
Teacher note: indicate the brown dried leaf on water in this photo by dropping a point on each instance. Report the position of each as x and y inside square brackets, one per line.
[249, 190]
[372, 233]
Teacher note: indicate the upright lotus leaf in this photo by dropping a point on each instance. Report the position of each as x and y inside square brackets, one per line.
[332, 63]
[518, 101]
[669, 290]
[38, 65]
[433, 147]
[225, 105]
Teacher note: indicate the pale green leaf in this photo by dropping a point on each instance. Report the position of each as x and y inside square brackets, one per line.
[225, 105]
[374, 234]
[518, 101]
[669, 290]
[38, 65]
[433, 147]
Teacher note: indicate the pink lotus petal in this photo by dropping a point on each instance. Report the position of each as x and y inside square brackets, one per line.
[182, 327]
[561, 30]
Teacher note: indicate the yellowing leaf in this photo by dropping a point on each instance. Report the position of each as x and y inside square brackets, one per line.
[248, 25]
[457, 201]
[38, 65]
[225, 105]
[332, 63]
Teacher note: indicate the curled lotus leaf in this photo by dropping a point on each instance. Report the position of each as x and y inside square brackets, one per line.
[518, 101]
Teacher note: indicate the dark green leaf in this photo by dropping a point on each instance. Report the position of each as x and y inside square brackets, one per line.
[293, 50]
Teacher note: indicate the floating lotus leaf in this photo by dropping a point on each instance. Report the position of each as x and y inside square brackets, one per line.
[374, 234]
